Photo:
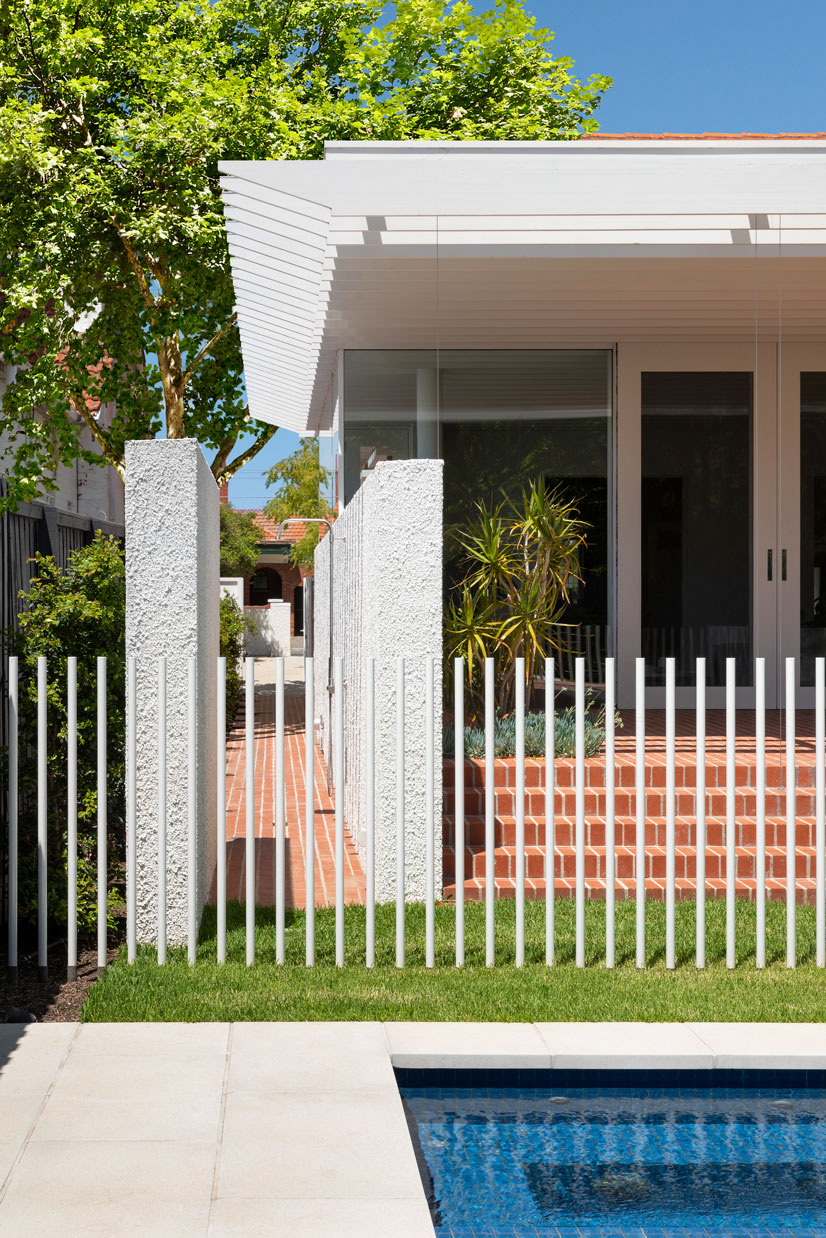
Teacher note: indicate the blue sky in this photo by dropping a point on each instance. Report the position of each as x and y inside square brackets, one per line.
[678, 67]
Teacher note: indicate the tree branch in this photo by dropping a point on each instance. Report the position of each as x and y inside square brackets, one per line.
[199, 356]
[226, 447]
[229, 470]
[134, 262]
[78, 403]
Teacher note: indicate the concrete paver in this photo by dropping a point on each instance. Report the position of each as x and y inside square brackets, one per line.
[218, 1130]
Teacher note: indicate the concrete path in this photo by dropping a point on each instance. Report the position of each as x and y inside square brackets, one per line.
[210, 1129]
[279, 1129]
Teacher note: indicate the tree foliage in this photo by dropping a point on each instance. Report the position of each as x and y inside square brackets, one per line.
[240, 536]
[79, 612]
[300, 482]
[114, 269]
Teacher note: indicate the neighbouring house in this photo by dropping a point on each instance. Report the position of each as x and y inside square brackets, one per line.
[83, 489]
[640, 319]
[273, 595]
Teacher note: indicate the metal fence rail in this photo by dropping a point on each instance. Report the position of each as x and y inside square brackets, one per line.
[31, 528]
[549, 794]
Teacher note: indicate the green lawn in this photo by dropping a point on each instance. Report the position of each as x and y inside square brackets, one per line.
[263, 992]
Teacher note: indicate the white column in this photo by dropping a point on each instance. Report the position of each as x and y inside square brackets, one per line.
[172, 595]
[427, 403]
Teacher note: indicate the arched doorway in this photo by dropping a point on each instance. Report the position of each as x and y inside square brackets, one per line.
[265, 584]
[298, 611]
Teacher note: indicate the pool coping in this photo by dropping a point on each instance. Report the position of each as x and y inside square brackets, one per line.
[607, 1046]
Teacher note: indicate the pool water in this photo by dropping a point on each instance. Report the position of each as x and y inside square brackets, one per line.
[620, 1154]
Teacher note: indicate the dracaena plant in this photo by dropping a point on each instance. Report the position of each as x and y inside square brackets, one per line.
[520, 561]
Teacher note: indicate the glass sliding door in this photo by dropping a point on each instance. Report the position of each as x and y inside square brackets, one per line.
[696, 523]
[812, 523]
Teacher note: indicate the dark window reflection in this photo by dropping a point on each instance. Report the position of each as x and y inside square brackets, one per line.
[696, 524]
[812, 523]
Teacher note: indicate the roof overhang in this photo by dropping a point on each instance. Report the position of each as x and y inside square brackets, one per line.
[450, 245]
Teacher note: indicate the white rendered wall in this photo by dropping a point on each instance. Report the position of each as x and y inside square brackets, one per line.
[271, 638]
[234, 586]
[172, 591]
[387, 604]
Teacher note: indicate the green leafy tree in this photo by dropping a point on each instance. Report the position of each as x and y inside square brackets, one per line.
[240, 536]
[300, 482]
[79, 612]
[114, 269]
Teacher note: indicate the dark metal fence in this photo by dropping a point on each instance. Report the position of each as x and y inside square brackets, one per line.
[32, 527]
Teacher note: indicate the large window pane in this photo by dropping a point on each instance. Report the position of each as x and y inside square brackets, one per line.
[696, 524]
[812, 523]
[499, 419]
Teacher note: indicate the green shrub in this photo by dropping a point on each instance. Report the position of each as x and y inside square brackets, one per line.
[79, 612]
[504, 735]
[233, 628]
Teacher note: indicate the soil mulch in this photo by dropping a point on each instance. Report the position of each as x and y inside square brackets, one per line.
[56, 1000]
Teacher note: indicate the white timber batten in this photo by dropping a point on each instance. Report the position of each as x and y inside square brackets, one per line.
[515, 245]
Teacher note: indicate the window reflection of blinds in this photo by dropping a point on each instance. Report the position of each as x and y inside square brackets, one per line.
[480, 385]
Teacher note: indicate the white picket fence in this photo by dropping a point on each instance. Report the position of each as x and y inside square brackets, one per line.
[433, 813]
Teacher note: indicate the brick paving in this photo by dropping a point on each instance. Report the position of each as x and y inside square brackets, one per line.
[655, 810]
[294, 845]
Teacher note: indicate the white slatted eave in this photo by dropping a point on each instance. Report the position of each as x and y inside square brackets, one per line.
[278, 246]
[310, 282]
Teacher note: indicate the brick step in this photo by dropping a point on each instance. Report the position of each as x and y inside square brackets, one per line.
[654, 889]
[625, 802]
[685, 862]
[625, 831]
[625, 770]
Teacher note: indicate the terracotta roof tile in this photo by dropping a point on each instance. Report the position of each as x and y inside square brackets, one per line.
[269, 527]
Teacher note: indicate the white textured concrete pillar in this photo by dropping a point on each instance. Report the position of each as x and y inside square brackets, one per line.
[388, 604]
[172, 593]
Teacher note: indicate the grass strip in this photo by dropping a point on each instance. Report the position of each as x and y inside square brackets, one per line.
[234, 992]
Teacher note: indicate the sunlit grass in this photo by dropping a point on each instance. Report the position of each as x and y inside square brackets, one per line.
[535, 992]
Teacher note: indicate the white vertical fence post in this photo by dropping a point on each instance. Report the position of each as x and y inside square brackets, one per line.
[249, 792]
[400, 812]
[161, 810]
[700, 813]
[309, 813]
[820, 809]
[71, 818]
[791, 816]
[131, 811]
[221, 815]
[670, 813]
[42, 824]
[639, 861]
[430, 812]
[338, 780]
[370, 814]
[490, 813]
[459, 805]
[610, 816]
[280, 811]
[580, 811]
[520, 811]
[191, 800]
[760, 808]
[102, 856]
[14, 705]
[550, 810]
[731, 823]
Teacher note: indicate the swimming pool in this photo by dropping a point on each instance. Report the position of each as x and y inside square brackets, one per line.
[620, 1154]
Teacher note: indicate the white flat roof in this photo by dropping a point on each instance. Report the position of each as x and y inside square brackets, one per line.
[527, 244]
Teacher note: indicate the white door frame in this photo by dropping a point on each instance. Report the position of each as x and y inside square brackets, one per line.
[634, 359]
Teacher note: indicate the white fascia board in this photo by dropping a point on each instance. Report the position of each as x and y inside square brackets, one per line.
[568, 178]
